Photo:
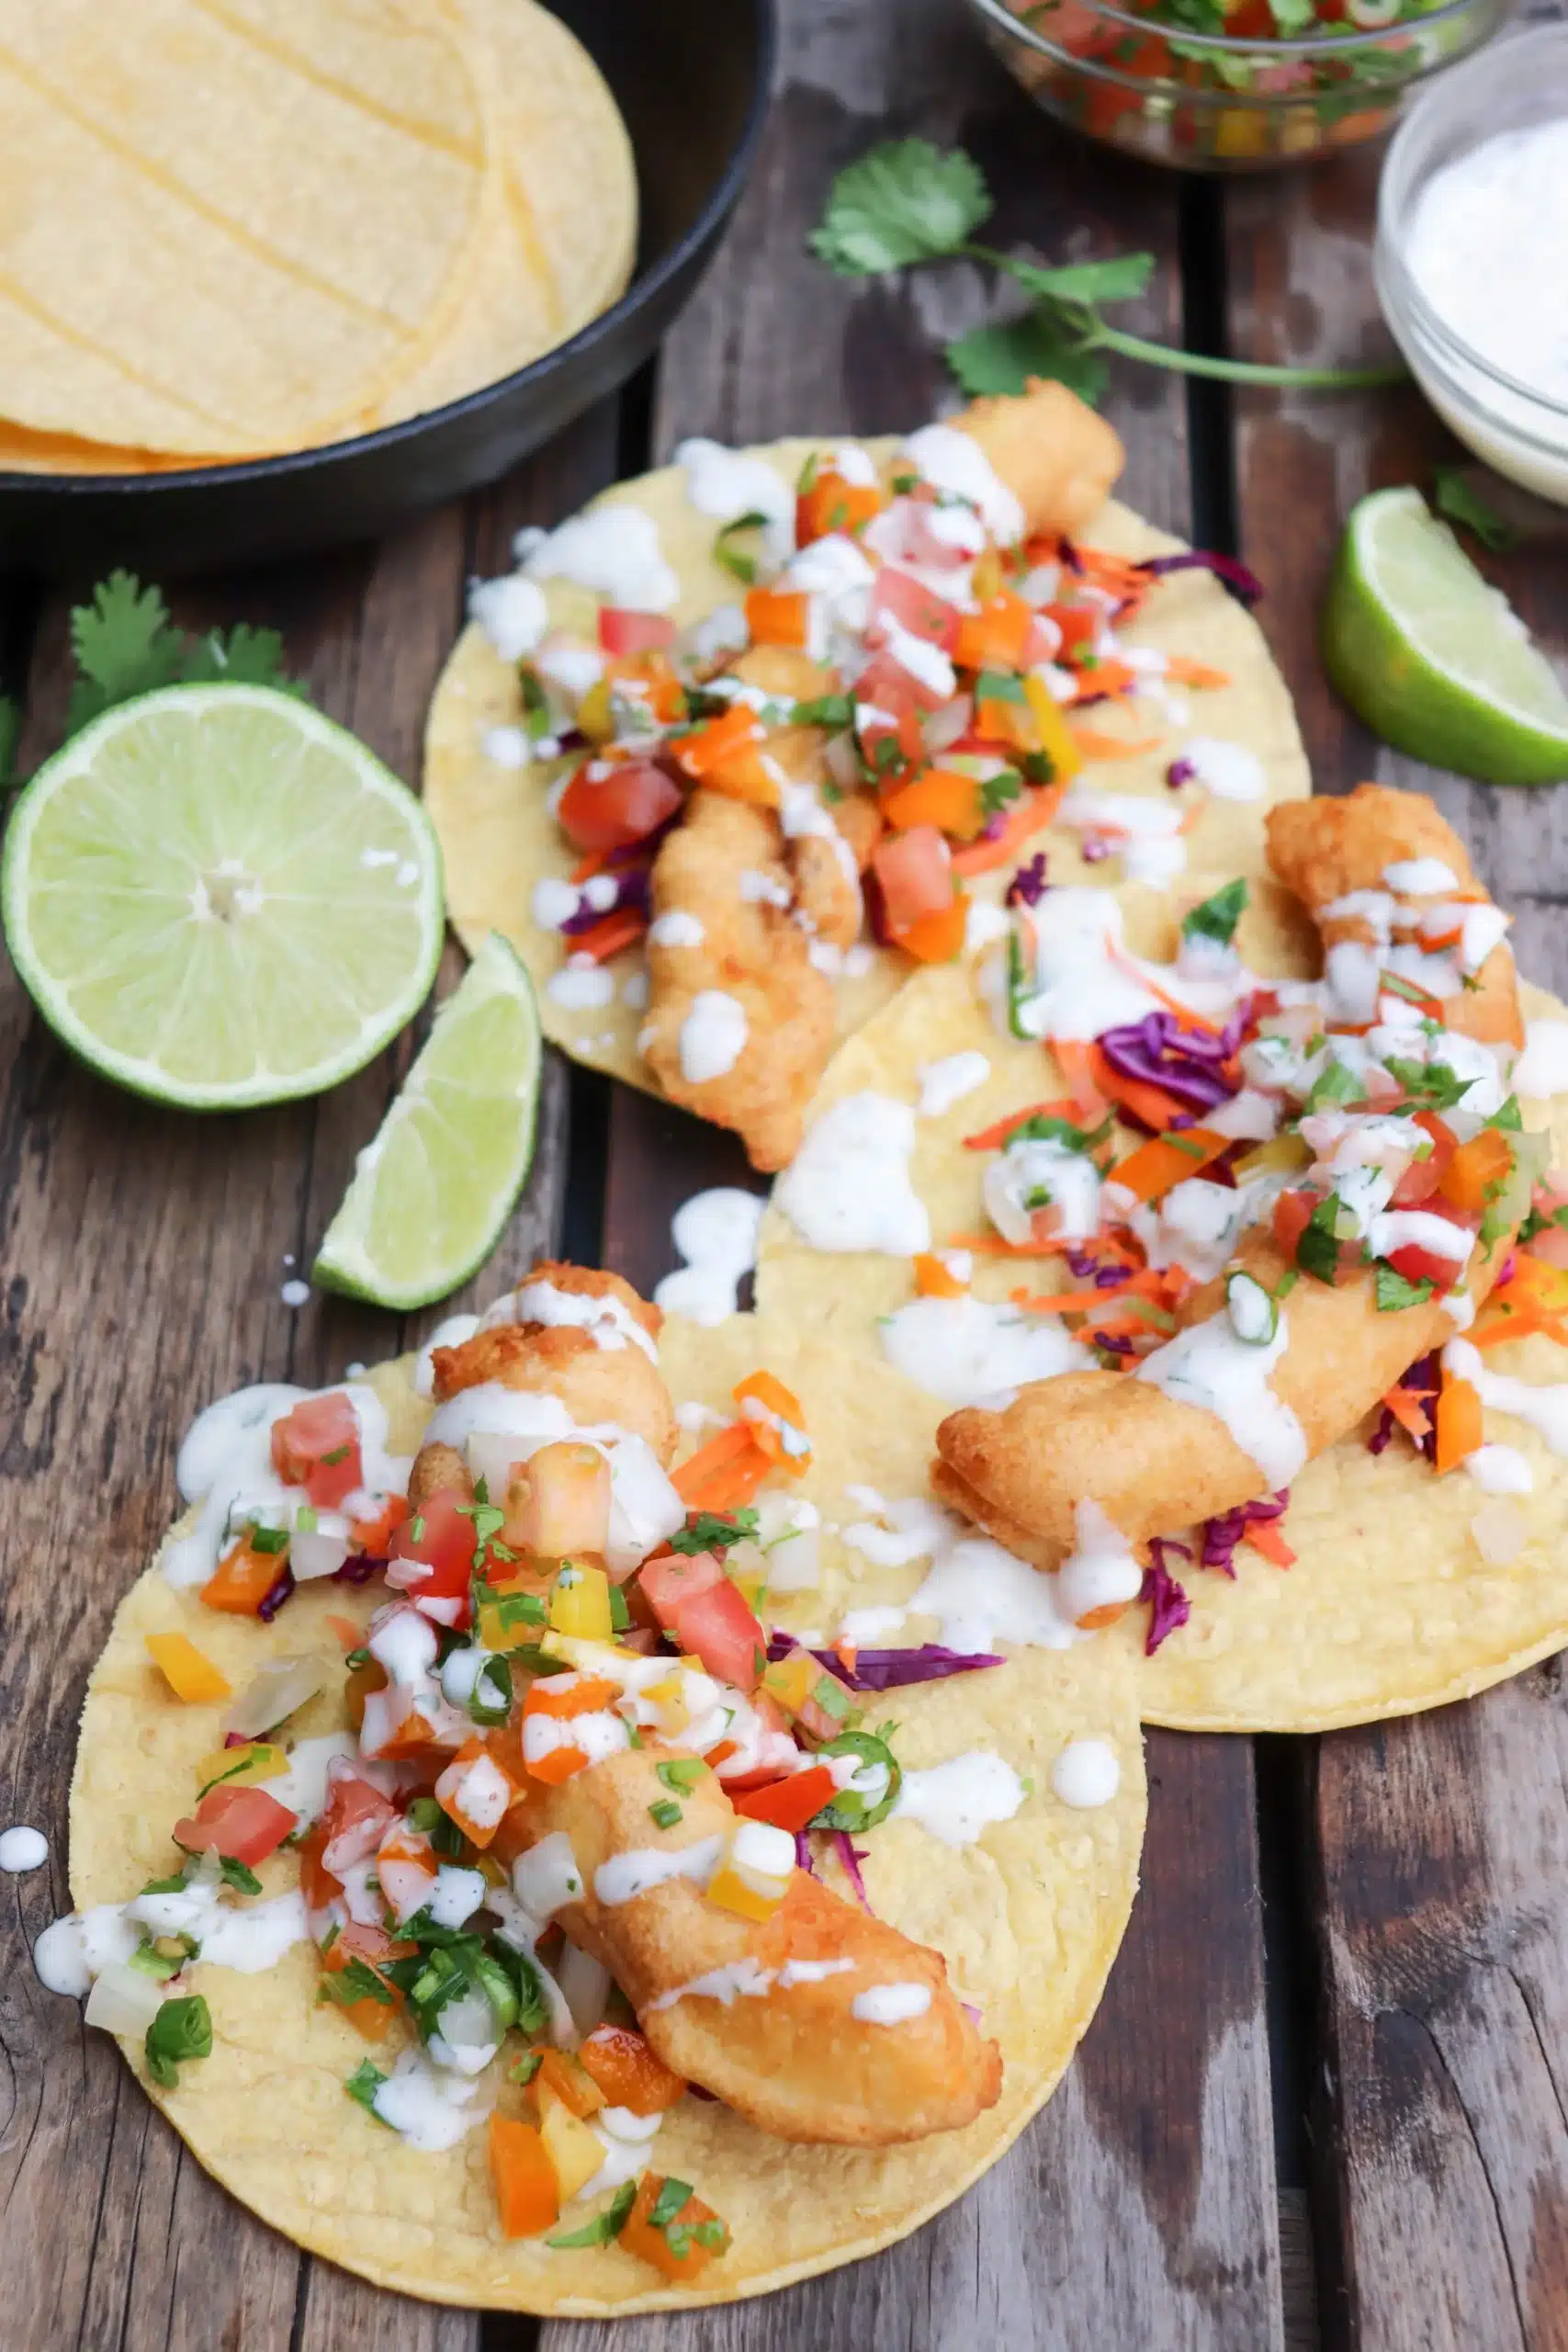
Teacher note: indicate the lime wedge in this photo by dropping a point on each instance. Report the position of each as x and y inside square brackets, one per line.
[432, 1194]
[218, 897]
[1434, 659]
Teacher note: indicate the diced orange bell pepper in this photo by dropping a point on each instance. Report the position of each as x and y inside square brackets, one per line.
[624, 2066]
[688, 2257]
[1459, 1421]
[602, 940]
[1476, 1168]
[708, 747]
[189, 1675]
[468, 1793]
[778, 615]
[370, 2016]
[317, 1883]
[932, 1279]
[1167, 1160]
[243, 1579]
[744, 775]
[562, 2072]
[944, 798]
[564, 1695]
[527, 2197]
[374, 1535]
[834, 504]
[995, 636]
[937, 938]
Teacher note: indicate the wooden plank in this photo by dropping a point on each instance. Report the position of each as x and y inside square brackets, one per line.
[1441, 1842]
[142, 1262]
[1140, 2207]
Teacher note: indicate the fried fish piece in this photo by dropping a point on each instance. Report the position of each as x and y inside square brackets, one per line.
[785, 2050]
[745, 947]
[1057, 457]
[1153, 1461]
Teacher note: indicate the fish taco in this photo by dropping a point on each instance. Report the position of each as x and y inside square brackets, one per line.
[738, 748]
[1233, 1296]
[496, 1898]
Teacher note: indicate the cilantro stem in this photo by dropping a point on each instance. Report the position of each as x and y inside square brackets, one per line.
[1245, 371]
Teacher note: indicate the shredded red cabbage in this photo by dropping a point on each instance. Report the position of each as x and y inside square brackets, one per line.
[1095, 851]
[889, 1669]
[852, 1858]
[631, 890]
[803, 1860]
[1423, 1374]
[1088, 1269]
[1168, 1604]
[1244, 585]
[1180, 772]
[236, 1739]
[276, 1594]
[358, 1569]
[1185, 1063]
[1219, 1536]
[1029, 886]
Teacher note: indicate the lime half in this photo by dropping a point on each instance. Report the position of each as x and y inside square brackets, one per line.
[218, 897]
[431, 1194]
[1432, 657]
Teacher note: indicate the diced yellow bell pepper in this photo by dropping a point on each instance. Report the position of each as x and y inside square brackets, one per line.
[730, 1891]
[985, 580]
[670, 1698]
[259, 1760]
[1285, 1153]
[752, 1583]
[579, 1603]
[593, 713]
[1055, 736]
[791, 1681]
[574, 2151]
[502, 1629]
[190, 1674]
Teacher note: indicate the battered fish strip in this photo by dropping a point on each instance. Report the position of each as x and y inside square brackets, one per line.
[1059, 459]
[786, 2051]
[1150, 1460]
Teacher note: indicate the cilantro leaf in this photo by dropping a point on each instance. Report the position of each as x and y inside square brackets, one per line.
[182, 2029]
[237, 1876]
[1455, 495]
[1394, 1292]
[715, 1531]
[124, 645]
[999, 791]
[363, 2085]
[246, 657]
[1431, 1083]
[1337, 1082]
[1117, 278]
[603, 2226]
[1317, 1247]
[1002, 358]
[1216, 917]
[905, 201]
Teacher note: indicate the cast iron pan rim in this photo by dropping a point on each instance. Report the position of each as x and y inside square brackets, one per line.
[642, 290]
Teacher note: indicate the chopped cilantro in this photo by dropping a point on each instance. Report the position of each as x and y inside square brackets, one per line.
[1431, 1084]
[620, 1615]
[832, 1698]
[1317, 1249]
[329, 1461]
[998, 792]
[672, 2195]
[825, 710]
[182, 2029]
[1395, 1294]
[603, 2226]
[356, 1981]
[490, 1701]
[1509, 1117]
[714, 1531]
[679, 2237]
[736, 560]
[236, 1874]
[1335, 1083]
[999, 686]
[125, 645]
[363, 2085]
[1217, 916]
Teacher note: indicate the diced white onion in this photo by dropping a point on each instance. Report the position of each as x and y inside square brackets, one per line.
[122, 2000]
[316, 1552]
[283, 1685]
[1499, 1531]
[586, 1984]
[946, 725]
[795, 1562]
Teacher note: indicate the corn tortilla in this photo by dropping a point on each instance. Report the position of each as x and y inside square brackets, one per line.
[499, 839]
[184, 268]
[1029, 1917]
[1391, 1606]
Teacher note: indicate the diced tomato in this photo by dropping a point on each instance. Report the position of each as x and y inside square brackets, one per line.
[790, 1803]
[1293, 1214]
[915, 874]
[622, 632]
[439, 1536]
[668, 1582]
[770, 1715]
[717, 1627]
[354, 1821]
[896, 596]
[317, 1883]
[626, 2071]
[1079, 624]
[1418, 1265]
[834, 504]
[317, 1446]
[615, 810]
[374, 1536]
[244, 1823]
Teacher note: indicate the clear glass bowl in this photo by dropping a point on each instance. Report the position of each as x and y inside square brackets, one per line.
[1517, 428]
[1232, 102]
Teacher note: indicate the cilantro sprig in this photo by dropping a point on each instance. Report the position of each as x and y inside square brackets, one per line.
[908, 201]
[1455, 495]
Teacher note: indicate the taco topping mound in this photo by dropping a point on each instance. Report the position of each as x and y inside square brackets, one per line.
[587, 1848]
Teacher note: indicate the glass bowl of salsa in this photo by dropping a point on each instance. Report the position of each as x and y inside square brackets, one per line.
[1230, 86]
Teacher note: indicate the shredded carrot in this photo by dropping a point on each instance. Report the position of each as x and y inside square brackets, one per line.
[1167, 1161]
[724, 1473]
[1409, 1411]
[608, 937]
[1264, 1535]
[1196, 801]
[1458, 1423]
[1528, 1323]
[586, 867]
[1024, 819]
[1183, 670]
[1117, 574]
[1069, 1301]
[1150, 1103]
[991, 1245]
[1108, 677]
[1080, 1064]
[1094, 745]
[350, 1635]
[717, 1454]
[992, 1139]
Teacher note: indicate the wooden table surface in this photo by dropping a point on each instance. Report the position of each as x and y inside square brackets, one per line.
[1326, 2098]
